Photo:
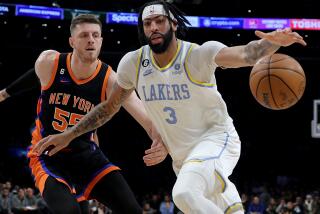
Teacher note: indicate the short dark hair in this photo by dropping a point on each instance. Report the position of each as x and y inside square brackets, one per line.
[178, 15]
[84, 18]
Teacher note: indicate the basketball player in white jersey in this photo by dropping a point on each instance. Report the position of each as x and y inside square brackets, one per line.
[175, 80]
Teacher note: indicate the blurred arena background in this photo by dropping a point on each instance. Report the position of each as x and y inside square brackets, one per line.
[278, 148]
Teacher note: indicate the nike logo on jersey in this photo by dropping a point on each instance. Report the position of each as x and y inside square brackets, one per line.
[147, 72]
[64, 81]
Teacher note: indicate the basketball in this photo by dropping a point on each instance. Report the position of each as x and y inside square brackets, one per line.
[277, 81]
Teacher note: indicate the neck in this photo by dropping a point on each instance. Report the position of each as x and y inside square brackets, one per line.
[82, 69]
[165, 58]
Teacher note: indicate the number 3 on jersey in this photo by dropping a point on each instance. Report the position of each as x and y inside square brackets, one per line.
[60, 123]
[172, 115]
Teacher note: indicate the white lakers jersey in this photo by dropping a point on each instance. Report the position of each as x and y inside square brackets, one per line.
[182, 108]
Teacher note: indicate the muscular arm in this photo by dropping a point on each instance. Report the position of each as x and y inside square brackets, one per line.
[133, 105]
[101, 113]
[44, 66]
[42, 72]
[245, 55]
[248, 55]
[27, 82]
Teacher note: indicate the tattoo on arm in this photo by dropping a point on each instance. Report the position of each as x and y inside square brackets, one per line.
[256, 49]
[102, 112]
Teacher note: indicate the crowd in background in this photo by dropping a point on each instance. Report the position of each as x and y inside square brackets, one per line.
[259, 200]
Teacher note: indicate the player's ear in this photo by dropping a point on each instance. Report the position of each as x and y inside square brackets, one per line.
[174, 25]
[71, 41]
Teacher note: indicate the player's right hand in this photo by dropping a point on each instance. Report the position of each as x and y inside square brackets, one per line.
[52, 144]
[282, 37]
[3, 95]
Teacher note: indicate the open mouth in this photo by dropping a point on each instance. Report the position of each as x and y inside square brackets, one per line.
[90, 49]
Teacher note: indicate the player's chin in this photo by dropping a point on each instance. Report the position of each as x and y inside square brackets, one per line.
[91, 57]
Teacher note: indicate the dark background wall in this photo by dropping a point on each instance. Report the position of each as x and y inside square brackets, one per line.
[274, 143]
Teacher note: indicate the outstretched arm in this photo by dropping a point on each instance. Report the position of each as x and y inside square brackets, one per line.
[248, 55]
[93, 120]
[101, 113]
[26, 82]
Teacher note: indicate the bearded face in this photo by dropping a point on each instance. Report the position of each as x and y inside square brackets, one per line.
[160, 42]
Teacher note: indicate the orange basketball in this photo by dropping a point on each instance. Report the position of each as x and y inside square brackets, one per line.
[277, 81]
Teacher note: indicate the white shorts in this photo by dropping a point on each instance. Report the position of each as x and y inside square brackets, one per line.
[214, 158]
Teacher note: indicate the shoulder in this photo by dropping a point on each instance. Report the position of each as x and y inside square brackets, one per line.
[130, 59]
[132, 56]
[45, 65]
[206, 52]
[48, 56]
[209, 45]
[46, 60]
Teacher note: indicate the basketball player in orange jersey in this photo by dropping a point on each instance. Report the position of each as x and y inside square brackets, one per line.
[72, 84]
[175, 80]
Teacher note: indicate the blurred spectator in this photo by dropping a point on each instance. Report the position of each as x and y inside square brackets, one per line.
[147, 209]
[5, 201]
[31, 199]
[41, 205]
[93, 207]
[298, 205]
[19, 202]
[256, 207]
[155, 202]
[309, 205]
[245, 201]
[167, 206]
[264, 196]
[271, 207]
[281, 205]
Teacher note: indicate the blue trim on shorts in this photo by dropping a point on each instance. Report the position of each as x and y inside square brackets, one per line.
[214, 157]
[48, 171]
[92, 177]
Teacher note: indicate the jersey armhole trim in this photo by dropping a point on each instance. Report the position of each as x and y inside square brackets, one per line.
[138, 65]
[192, 80]
[105, 84]
[53, 73]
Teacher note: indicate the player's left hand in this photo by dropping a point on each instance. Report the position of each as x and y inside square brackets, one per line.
[157, 152]
[282, 37]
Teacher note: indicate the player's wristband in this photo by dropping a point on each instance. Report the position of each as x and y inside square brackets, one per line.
[26, 82]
